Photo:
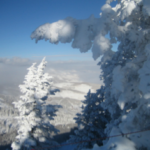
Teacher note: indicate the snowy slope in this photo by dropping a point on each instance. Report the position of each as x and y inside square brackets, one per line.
[70, 98]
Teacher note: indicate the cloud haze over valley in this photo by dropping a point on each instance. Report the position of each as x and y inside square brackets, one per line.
[13, 71]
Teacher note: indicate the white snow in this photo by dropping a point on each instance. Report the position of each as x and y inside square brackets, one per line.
[83, 88]
[69, 94]
[65, 85]
[128, 8]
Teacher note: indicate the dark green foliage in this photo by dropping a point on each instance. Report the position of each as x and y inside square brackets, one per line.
[91, 122]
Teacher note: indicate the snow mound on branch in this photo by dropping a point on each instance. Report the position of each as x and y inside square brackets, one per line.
[129, 6]
[107, 10]
[101, 45]
[62, 31]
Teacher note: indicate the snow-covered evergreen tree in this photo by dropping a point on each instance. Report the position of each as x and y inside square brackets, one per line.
[34, 115]
[91, 122]
[125, 72]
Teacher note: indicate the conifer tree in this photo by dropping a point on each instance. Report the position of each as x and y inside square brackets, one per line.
[91, 122]
[34, 115]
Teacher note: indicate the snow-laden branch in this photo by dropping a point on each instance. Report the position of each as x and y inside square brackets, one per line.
[82, 34]
[90, 33]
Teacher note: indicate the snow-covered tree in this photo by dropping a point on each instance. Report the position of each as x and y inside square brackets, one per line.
[125, 72]
[91, 122]
[34, 115]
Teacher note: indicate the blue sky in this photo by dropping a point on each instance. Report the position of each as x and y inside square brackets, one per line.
[20, 17]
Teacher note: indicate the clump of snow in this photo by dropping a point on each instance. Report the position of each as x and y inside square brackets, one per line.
[101, 45]
[128, 8]
[63, 31]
